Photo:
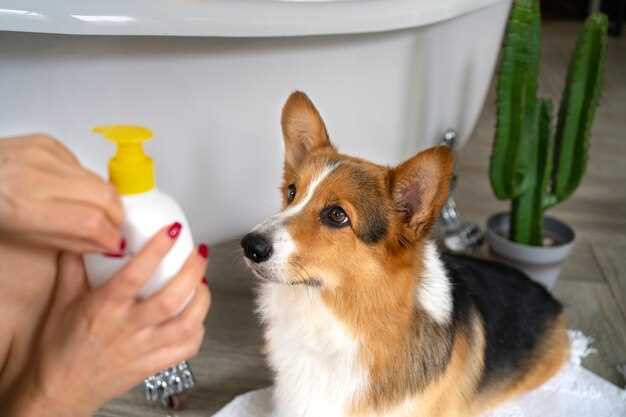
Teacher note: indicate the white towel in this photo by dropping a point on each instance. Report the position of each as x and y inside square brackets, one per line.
[573, 392]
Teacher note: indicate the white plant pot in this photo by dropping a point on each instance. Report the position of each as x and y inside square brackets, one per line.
[541, 263]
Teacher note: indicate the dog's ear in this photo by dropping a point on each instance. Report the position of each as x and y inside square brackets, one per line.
[419, 188]
[303, 128]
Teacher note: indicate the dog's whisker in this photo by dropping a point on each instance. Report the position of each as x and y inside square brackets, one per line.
[304, 277]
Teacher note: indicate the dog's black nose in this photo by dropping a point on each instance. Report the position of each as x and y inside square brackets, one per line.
[256, 247]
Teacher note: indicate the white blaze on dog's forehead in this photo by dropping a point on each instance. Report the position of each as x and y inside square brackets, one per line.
[310, 191]
[435, 293]
[275, 221]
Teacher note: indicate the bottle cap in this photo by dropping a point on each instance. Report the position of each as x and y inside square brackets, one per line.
[131, 171]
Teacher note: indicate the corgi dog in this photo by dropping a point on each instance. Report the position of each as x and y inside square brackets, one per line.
[363, 316]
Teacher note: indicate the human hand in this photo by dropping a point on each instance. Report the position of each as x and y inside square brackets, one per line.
[48, 198]
[98, 343]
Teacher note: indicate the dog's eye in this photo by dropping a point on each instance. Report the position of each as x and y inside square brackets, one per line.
[335, 216]
[291, 193]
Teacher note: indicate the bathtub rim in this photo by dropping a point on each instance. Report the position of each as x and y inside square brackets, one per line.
[218, 18]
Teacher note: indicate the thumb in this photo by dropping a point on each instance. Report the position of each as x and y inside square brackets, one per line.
[71, 279]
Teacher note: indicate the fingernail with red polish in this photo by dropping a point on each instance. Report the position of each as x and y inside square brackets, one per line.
[174, 230]
[120, 253]
[205, 281]
[203, 250]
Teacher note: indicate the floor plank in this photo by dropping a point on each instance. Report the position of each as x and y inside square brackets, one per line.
[611, 255]
[591, 308]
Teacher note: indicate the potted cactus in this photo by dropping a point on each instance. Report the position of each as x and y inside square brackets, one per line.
[530, 165]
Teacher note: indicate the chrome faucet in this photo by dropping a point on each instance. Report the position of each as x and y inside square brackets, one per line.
[167, 385]
[459, 236]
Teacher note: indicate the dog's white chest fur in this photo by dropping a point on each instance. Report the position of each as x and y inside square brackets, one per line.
[313, 355]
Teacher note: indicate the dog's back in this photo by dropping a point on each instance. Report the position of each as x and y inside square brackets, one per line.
[525, 338]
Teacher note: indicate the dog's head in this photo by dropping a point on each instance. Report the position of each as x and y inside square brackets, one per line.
[343, 219]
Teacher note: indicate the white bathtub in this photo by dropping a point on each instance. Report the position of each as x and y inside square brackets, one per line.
[209, 77]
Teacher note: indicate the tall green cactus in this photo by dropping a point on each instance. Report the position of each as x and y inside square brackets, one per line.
[529, 165]
[517, 91]
[578, 107]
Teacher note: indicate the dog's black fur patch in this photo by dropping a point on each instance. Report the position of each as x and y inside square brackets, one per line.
[374, 223]
[515, 311]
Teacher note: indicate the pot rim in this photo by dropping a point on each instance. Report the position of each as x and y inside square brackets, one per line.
[528, 253]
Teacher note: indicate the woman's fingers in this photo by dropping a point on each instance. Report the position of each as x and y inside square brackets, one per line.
[171, 299]
[41, 141]
[45, 190]
[71, 279]
[175, 340]
[76, 183]
[55, 147]
[76, 245]
[186, 324]
[129, 280]
[172, 354]
[181, 327]
[73, 183]
[86, 188]
[74, 221]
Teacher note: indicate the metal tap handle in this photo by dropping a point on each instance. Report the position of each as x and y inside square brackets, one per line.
[460, 236]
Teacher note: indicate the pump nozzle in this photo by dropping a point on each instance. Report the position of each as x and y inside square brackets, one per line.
[131, 171]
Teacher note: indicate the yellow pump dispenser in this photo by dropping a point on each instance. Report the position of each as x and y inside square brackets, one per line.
[131, 171]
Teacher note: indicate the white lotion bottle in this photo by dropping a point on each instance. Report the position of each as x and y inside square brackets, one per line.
[146, 209]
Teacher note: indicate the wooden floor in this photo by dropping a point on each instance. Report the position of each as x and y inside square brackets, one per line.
[592, 286]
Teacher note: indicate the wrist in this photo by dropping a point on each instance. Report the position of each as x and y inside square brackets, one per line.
[28, 401]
